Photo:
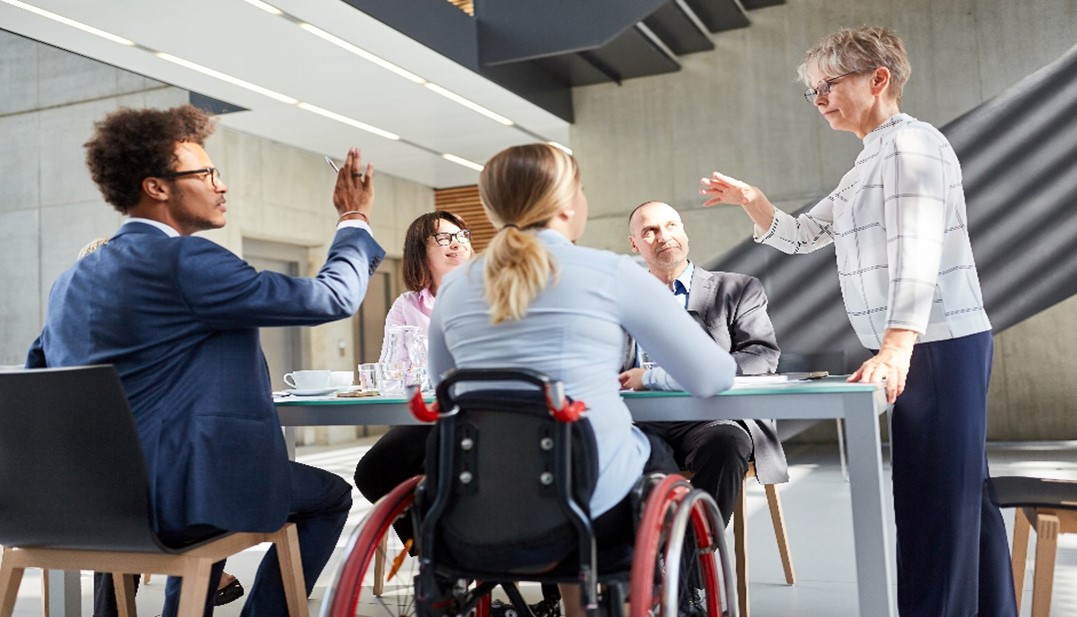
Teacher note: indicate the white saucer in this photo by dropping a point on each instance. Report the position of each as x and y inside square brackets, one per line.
[311, 391]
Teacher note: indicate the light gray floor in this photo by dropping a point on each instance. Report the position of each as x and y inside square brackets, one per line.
[817, 509]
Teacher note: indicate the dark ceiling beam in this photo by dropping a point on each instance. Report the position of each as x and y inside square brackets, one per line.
[454, 34]
[680, 28]
[719, 15]
[516, 30]
[751, 5]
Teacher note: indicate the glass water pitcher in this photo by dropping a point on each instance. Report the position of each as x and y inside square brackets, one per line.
[403, 359]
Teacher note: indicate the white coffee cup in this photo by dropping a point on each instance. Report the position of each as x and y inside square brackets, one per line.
[341, 379]
[307, 380]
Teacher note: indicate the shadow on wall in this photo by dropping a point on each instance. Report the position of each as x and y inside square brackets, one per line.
[1019, 159]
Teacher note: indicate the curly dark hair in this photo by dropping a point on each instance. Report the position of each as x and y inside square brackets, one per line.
[417, 275]
[130, 145]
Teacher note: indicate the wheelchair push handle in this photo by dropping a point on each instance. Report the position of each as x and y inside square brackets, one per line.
[561, 408]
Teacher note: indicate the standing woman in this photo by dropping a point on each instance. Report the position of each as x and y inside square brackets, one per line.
[534, 299]
[435, 244]
[899, 228]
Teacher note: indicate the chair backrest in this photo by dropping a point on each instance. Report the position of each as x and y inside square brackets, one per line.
[508, 484]
[1019, 491]
[803, 362]
[72, 473]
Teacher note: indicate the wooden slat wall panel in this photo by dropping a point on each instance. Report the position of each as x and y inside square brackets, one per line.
[467, 6]
[463, 201]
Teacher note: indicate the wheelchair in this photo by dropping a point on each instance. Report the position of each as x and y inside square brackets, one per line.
[505, 499]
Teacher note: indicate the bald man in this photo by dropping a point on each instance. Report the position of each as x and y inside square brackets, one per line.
[732, 309]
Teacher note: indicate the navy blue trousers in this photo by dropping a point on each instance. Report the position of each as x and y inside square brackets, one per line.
[320, 504]
[953, 558]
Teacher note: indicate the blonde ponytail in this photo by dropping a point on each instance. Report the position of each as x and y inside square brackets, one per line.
[517, 267]
[522, 188]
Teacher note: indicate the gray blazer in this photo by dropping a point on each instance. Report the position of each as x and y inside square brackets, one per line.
[732, 309]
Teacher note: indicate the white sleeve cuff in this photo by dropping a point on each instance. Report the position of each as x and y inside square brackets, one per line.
[358, 224]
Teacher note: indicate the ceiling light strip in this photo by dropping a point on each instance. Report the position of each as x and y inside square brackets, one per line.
[406, 74]
[462, 161]
[268, 8]
[70, 22]
[362, 53]
[456, 98]
[283, 98]
[349, 121]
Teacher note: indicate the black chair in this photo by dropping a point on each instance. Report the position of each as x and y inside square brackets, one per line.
[74, 493]
[507, 500]
[1050, 507]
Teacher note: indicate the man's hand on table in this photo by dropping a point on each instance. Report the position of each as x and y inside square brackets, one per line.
[632, 379]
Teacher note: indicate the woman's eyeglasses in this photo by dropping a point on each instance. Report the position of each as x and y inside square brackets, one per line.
[445, 238]
[823, 87]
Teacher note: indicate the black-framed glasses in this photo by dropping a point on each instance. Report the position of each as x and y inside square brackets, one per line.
[445, 238]
[212, 173]
[823, 87]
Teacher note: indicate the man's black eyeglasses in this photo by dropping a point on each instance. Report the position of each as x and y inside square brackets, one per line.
[445, 238]
[212, 173]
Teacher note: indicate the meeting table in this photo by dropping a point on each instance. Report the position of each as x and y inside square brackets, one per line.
[859, 405]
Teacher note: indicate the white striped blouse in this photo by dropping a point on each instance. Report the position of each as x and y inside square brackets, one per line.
[899, 228]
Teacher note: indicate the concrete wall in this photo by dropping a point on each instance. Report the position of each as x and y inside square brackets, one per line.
[738, 110]
[49, 207]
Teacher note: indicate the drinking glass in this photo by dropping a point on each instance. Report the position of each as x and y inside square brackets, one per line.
[368, 376]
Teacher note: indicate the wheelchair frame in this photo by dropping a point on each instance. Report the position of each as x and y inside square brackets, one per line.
[672, 510]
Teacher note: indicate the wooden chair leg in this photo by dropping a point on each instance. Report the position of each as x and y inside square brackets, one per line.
[291, 568]
[1047, 528]
[10, 579]
[777, 518]
[1019, 552]
[125, 593]
[379, 565]
[195, 586]
[740, 549]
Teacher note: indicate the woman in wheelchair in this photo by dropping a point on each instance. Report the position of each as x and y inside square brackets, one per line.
[534, 299]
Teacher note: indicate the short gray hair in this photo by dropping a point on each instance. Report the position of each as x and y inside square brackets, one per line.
[858, 50]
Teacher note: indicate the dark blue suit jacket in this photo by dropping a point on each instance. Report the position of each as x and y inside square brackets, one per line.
[179, 319]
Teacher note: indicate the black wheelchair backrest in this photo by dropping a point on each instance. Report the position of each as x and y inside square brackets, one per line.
[508, 484]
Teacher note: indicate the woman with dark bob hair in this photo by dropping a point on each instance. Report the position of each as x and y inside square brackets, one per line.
[435, 244]
[899, 228]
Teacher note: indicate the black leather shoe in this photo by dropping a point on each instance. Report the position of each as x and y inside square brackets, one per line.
[229, 593]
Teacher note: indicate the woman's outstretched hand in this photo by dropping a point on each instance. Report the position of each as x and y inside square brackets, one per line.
[722, 189]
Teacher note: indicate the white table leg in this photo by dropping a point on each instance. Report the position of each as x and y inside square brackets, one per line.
[289, 440]
[871, 509]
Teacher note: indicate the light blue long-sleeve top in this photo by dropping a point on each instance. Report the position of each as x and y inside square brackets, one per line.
[574, 332]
